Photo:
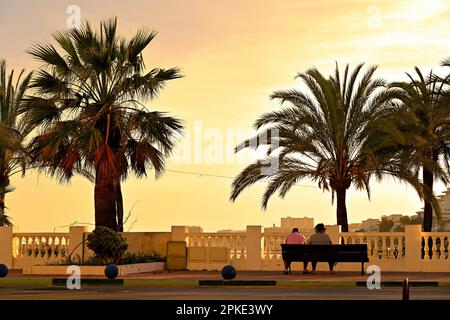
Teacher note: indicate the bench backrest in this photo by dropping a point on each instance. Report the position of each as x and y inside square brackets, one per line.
[325, 252]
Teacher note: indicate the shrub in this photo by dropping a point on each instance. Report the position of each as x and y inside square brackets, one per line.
[107, 244]
[130, 258]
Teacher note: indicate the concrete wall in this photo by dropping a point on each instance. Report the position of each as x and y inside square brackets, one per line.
[254, 249]
[261, 250]
[18, 258]
[147, 242]
[6, 238]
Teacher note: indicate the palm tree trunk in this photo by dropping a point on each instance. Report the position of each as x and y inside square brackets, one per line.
[2, 205]
[428, 210]
[341, 209]
[105, 203]
[4, 183]
[119, 206]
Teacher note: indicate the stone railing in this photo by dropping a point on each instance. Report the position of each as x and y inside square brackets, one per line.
[236, 242]
[40, 248]
[271, 243]
[391, 251]
[40, 245]
[380, 245]
[435, 246]
[252, 249]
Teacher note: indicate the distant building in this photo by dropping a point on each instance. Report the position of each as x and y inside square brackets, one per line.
[195, 229]
[444, 203]
[370, 225]
[394, 217]
[305, 225]
[301, 223]
[353, 227]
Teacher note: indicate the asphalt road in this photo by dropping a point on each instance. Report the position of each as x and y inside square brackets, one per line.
[164, 293]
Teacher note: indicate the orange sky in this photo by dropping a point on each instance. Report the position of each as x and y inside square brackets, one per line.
[233, 55]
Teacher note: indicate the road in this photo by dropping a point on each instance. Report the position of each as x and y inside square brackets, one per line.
[164, 293]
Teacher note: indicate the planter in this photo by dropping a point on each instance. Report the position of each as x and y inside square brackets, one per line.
[124, 270]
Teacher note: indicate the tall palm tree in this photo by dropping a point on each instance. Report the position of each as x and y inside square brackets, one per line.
[88, 106]
[13, 156]
[330, 134]
[426, 101]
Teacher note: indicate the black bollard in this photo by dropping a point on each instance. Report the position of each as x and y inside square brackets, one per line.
[405, 295]
[3, 270]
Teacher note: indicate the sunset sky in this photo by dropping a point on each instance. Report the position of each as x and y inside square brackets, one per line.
[233, 54]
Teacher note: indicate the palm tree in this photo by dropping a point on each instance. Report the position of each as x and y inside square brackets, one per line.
[13, 156]
[88, 106]
[330, 134]
[426, 101]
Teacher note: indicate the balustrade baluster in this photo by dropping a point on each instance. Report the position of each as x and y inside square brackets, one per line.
[376, 248]
[384, 249]
[238, 247]
[426, 248]
[233, 246]
[395, 246]
[266, 248]
[434, 248]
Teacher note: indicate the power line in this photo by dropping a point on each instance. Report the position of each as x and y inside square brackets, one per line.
[201, 174]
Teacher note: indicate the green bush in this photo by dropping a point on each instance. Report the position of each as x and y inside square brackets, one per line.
[107, 244]
[130, 258]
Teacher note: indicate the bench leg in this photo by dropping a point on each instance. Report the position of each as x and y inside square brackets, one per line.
[362, 268]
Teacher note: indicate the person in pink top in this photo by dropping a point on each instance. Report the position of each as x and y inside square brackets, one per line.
[294, 238]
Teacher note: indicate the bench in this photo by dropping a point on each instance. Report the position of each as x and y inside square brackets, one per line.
[325, 253]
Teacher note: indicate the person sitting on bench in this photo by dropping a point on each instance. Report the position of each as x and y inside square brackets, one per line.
[319, 237]
[294, 238]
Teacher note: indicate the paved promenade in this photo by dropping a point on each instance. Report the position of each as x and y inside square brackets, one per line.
[295, 276]
[169, 293]
[296, 279]
[184, 285]
[266, 275]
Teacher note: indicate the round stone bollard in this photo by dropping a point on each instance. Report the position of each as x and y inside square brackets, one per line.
[229, 272]
[111, 271]
[3, 270]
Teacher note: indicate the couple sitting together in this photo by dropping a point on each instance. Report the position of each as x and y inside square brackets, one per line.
[319, 237]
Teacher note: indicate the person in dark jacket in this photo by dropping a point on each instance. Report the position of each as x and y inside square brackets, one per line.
[320, 237]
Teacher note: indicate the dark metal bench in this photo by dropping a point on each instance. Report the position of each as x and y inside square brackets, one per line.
[325, 253]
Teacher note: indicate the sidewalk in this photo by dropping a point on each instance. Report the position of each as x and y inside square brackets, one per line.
[295, 276]
[192, 278]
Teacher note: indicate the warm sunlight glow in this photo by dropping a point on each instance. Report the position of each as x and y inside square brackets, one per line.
[233, 55]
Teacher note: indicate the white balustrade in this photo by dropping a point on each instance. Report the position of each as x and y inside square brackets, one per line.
[40, 245]
[436, 246]
[235, 241]
[380, 245]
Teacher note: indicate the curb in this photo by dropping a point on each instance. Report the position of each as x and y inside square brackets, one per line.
[400, 283]
[237, 283]
[90, 282]
[315, 284]
[25, 282]
[186, 283]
